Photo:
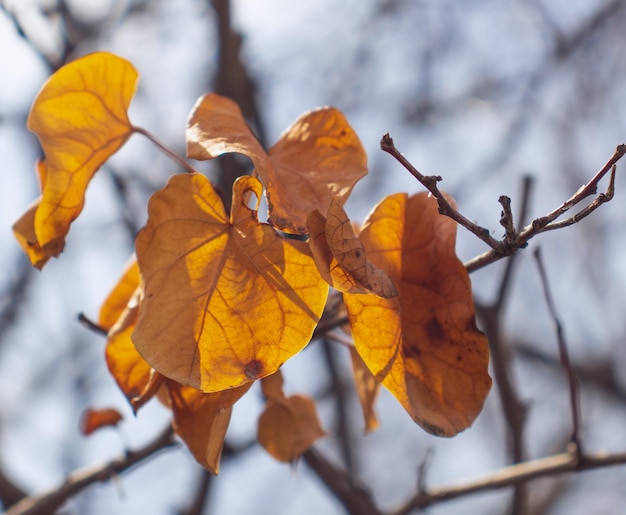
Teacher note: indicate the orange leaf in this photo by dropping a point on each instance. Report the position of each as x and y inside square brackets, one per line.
[118, 298]
[367, 387]
[289, 425]
[423, 345]
[319, 157]
[80, 117]
[94, 419]
[130, 371]
[201, 420]
[24, 228]
[226, 301]
[340, 256]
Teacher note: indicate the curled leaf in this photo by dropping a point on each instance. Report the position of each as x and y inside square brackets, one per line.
[340, 256]
[423, 345]
[226, 301]
[80, 117]
[319, 157]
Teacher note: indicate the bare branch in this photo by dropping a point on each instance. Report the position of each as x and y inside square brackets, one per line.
[49, 502]
[354, 497]
[513, 475]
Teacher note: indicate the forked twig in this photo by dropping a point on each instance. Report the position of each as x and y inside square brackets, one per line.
[514, 239]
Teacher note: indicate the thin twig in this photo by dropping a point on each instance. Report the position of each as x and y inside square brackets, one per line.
[49, 502]
[513, 475]
[430, 183]
[598, 201]
[565, 361]
[163, 148]
[91, 325]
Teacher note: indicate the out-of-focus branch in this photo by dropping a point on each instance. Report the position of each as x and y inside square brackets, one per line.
[10, 493]
[343, 428]
[563, 47]
[12, 299]
[49, 502]
[514, 239]
[563, 353]
[354, 497]
[514, 475]
[233, 80]
[199, 500]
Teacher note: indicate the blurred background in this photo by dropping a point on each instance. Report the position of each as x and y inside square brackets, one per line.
[481, 92]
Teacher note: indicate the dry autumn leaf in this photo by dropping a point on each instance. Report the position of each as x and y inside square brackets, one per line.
[340, 256]
[288, 426]
[201, 420]
[319, 157]
[94, 419]
[80, 117]
[226, 301]
[118, 298]
[423, 345]
[118, 315]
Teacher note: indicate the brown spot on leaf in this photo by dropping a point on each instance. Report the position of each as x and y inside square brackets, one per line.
[435, 332]
[253, 369]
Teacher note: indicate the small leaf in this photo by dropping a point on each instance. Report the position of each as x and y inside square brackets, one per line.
[367, 387]
[94, 419]
[341, 258]
[289, 425]
[319, 157]
[226, 301]
[201, 420]
[80, 117]
[422, 345]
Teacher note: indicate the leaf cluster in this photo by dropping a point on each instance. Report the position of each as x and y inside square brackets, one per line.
[214, 300]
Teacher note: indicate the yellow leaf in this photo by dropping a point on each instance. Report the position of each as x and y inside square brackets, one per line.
[422, 345]
[319, 157]
[341, 257]
[120, 295]
[226, 301]
[80, 117]
[130, 371]
[201, 420]
[367, 387]
[289, 425]
[24, 228]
